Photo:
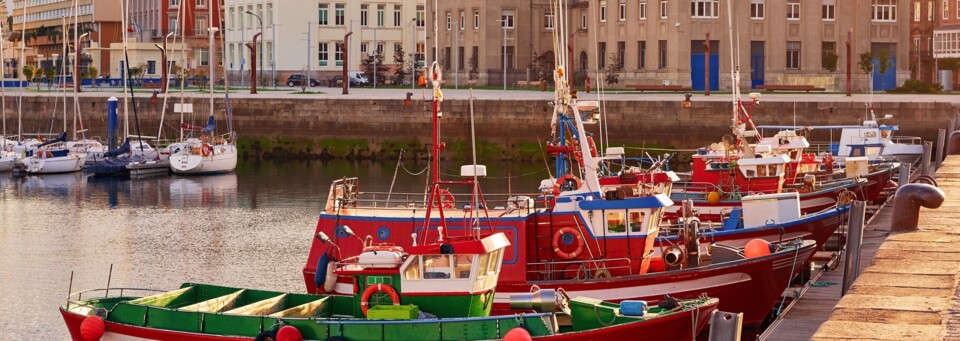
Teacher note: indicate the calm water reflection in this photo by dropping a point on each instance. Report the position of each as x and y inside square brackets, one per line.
[251, 229]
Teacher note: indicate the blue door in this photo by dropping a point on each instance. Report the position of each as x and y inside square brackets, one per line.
[697, 72]
[756, 71]
[886, 81]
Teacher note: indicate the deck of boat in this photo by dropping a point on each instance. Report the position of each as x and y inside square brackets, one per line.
[909, 288]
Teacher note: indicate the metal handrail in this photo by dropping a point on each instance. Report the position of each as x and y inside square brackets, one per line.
[551, 267]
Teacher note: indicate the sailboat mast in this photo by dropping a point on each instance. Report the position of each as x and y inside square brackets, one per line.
[3, 93]
[123, 34]
[212, 30]
[63, 79]
[23, 57]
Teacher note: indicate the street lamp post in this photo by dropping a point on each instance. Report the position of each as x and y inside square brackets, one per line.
[261, 32]
[253, 63]
[503, 25]
[163, 57]
[413, 63]
[76, 64]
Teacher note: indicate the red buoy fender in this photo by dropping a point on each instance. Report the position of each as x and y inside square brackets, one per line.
[365, 298]
[557, 236]
[517, 334]
[92, 328]
[289, 333]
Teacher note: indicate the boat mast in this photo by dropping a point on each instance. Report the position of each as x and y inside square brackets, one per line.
[3, 93]
[212, 30]
[22, 64]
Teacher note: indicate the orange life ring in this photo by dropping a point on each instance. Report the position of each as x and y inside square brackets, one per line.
[563, 180]
[444, 197]
[206, 149]
[557, 236]
[365, 298]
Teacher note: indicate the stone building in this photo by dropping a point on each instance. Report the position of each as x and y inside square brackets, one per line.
[663, 41]
[154, 21]
[306, 35]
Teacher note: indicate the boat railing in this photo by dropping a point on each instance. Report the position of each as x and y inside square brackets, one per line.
[76, 298]
[906, 140]
[695, 187]
[554, 270]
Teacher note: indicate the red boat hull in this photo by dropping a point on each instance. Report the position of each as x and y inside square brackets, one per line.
[117, 331]
[750, 286]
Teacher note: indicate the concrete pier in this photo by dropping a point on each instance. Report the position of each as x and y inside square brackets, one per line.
[909, 291]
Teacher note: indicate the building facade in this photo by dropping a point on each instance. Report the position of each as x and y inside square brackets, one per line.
[945, 45]
[307, 35]
[665, 41]
[182, 22]
[44, 25]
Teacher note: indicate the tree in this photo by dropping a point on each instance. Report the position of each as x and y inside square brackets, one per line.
[368, 67]
[404, 66]
[541, 66]
[829, 59]
[28, 72]
[866, 65]
[201, 78]
[50, 74]
[474, 64]
[137, 73]
[884, 64]
[93, 73]
[612, 73]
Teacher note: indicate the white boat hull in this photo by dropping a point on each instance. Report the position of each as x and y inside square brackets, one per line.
[63, 164]
[7, 163]
[222, 159]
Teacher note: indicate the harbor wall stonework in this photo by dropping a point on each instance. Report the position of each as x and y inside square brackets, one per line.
[363, 128]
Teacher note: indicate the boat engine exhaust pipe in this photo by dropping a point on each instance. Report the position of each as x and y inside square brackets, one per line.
[540, 300]
[907, 202]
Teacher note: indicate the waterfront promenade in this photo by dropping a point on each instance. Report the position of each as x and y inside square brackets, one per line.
[909, 289]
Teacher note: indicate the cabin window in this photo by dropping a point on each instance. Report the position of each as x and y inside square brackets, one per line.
[483, 264]
[761, 170]
[750, 172]
[636, 221]
[462, 264]
[870, 134]
[436, 266]
[496, 259]
[413, 269]
[616, 222]
[795, 155]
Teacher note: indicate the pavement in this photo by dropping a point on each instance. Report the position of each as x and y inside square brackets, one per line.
[451, 93]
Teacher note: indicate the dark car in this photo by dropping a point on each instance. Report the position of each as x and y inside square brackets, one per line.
[298, 80]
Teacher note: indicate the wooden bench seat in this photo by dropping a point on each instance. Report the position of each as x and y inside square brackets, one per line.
[658, 87]
[789, 87]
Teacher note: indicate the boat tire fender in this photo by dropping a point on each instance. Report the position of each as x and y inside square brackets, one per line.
[266, 335]
[577, 240]
[370, 290]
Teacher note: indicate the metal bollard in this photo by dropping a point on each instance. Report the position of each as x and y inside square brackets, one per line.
[907, 202]
[953, 144]
[941, 137]
[925, 161]
[904, 176]
[725, 326]
[851, 263]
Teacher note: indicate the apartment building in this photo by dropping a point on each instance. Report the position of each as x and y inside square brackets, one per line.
[945, 45]
[183, 22]
[44, 24]
[309, 34]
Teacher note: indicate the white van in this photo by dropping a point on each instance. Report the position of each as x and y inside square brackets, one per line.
[358, 78]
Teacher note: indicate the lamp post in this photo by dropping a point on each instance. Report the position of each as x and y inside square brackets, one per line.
[253, 63]
[165, 78]
[413, 63]
[76, 64]
[255, 41]
[503, 25]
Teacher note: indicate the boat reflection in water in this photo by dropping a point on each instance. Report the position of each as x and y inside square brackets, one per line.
[204, 191]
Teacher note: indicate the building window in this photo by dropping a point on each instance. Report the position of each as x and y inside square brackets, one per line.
[460, 59]
[603, 11]
[339, 16]
[793, 9]
[476, 20]
[662, 62]
[151, 67]
[885, 10]
[602, 54]
[363, 15]
[233, 20]
[793, 55]
[323, 15]
[446, 58]
[397, 9]
[622, 16]
[449, 21]
[583, 20]
[930, 10]
[946, 10]
[506, 19]
[829, 48]
[363, 48]
[548, 20]
[421, 14]
[381, 13]
[270, 53]
[202, 56]
[462, 18]
[704, 8]
[643, 9]
[916, 11]
[621, 53]
[338, 54]
[201, 3]
[829, 11]
[641, 55]
[958, 9]
[663, 9]
[270, 14]
[756, 9]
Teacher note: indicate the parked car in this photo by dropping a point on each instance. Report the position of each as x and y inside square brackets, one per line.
[298, 80]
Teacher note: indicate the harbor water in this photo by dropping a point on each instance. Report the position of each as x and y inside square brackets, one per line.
[251, 228]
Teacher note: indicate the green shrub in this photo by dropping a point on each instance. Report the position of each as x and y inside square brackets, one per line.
[912, 86]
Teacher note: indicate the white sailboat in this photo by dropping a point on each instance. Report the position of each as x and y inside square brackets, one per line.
[207, 153]
[7, 157]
